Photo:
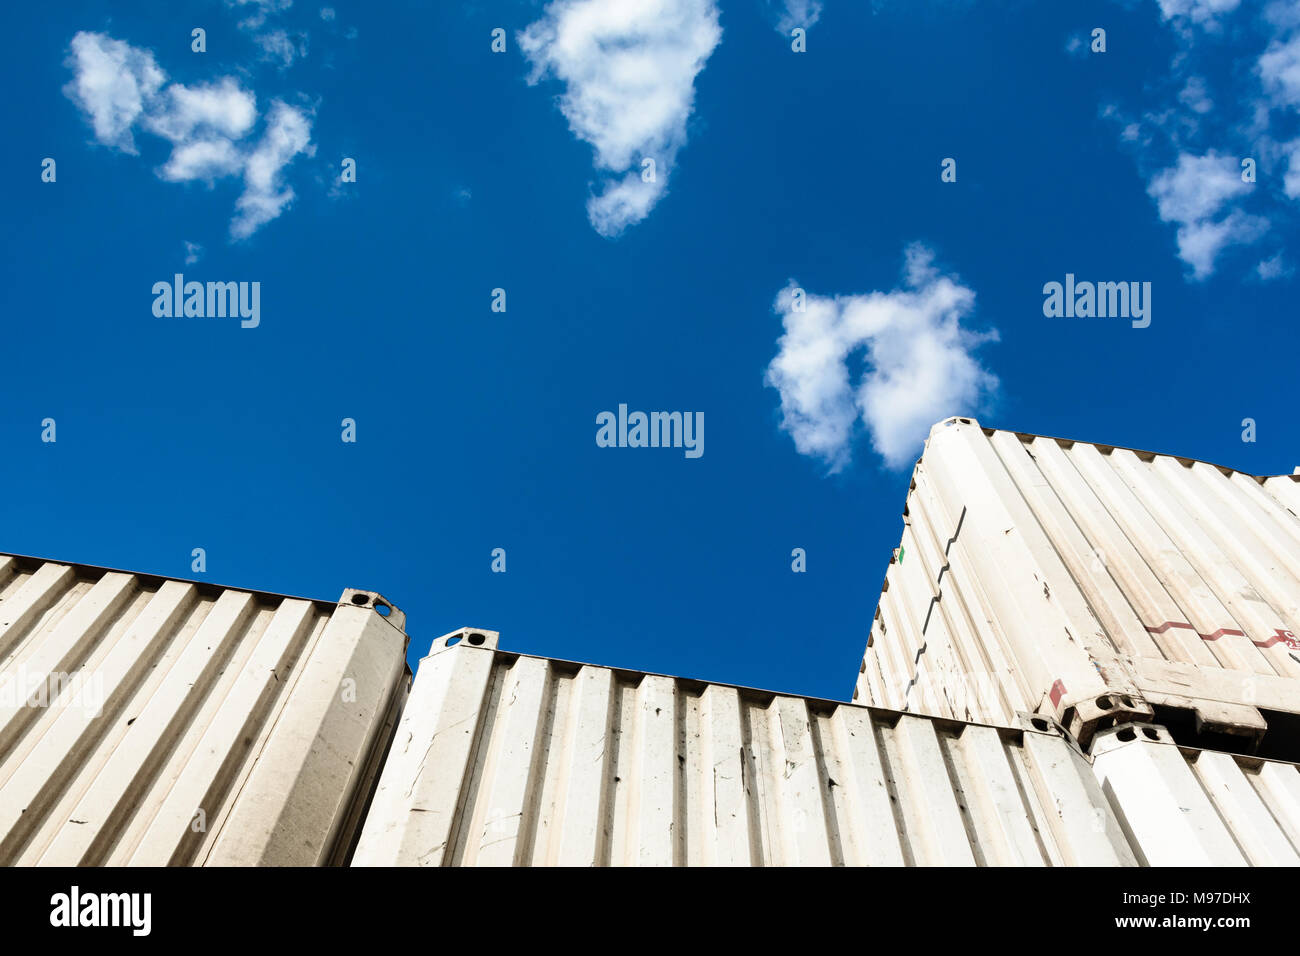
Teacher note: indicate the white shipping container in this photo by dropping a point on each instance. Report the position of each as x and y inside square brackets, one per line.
[150, 721]
[505, 759]
[195, 725]
[1184, 807]
[1095, 585]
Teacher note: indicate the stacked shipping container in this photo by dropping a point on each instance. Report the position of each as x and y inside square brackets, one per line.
[1053, 612]
[1092, 584]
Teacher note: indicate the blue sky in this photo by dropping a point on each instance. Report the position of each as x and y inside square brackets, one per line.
[521, 170]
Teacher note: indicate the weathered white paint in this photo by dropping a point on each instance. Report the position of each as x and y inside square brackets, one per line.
[1198, 808]
[503, 759]
[1108, 579]
[262, 711]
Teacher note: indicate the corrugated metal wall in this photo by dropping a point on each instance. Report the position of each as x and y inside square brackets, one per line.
[1090, 583]
[158, 722]
[1183, 807]
[503, 759]
[152, 721]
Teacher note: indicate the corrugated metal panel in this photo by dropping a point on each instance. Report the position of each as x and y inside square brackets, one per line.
[504, 759]
[1183, 807]
[1089, 583]
[152, 721]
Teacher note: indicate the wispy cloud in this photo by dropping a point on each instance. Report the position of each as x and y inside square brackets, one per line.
[795, 13]
[629, 71]
[1194, 96]
[280, 48]
[1203, 13]
[1274, 268]
[193, 252]
[288, 133]
[1279, 73]
[256, 12]
[1191, 145]
[277, 45]
[919, 364]
[1192, 194]
[121, 89]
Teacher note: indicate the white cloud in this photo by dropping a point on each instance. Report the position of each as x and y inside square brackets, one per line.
[1291, 178]
[223, 109]
[205, 159]
[1279, 71]
[629, 69]
[279, 47]
[1200, 242]
[193, 252]
[258, 11]
[623, 203]
[327, 14]
[1274, 268]
[1204, 13]
[919, 364]
[1191, 194]
[1195, 97]
[1202, 192]
[1283, 14]
[1279, 74]
[276, 44]
[112, 83]
[121, 88]
[288, 133]
[1197, 187]
[798, 13]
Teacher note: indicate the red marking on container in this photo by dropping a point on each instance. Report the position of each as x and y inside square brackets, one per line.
[1221, 631]
[1280, 637]
[1058, 691]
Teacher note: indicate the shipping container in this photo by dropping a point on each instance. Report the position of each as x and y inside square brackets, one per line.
[1095, 585]
[507, 759]
[1179, 806]
[152, 721]
[148, 720]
